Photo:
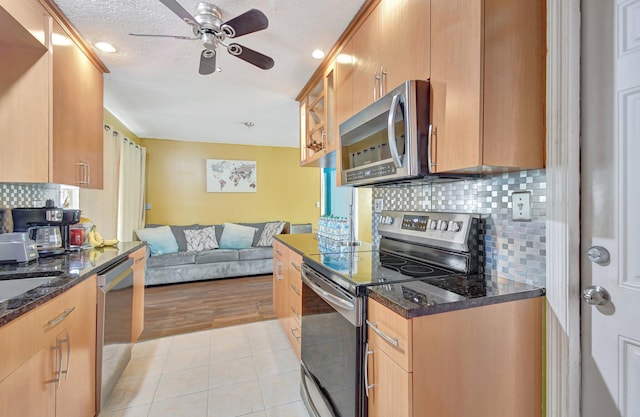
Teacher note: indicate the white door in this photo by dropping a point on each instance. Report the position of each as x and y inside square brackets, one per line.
[610, 165]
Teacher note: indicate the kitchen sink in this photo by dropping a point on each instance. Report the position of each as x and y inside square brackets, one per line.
[13, 287]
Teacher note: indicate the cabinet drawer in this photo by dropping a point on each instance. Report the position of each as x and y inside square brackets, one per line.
[391, 333]
[23, 337]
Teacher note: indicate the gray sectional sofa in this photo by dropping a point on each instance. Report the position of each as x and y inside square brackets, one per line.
[184, 265]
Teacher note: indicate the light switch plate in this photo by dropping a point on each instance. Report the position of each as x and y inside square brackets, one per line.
[147, 206]
[521, 206]
[378, 205]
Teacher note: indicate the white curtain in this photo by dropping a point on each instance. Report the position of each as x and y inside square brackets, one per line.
[101, 206]
[131, 189]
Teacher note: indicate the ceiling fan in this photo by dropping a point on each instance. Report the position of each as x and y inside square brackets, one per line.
[211, 30]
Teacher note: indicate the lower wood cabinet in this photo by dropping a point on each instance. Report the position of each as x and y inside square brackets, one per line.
[479, 362]
[287, 292]
[139, 271]
[49, 357]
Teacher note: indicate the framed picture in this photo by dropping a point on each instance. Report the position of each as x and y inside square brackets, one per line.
[230, 176]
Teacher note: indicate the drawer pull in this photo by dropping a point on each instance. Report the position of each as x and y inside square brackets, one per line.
[295, 289]
[61, 317]
[366, 371]
[391, 340]
[293, 310]
[293, 333]
[278, 252]
[296, 266]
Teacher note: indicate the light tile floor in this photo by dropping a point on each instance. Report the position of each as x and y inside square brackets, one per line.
[247, 370]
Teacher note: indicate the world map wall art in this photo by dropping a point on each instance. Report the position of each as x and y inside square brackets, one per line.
[230, 176]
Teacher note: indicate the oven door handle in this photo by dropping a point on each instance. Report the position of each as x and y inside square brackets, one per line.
[325, 295]
[391, 131]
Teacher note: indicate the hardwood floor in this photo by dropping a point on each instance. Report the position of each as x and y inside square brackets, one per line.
[194, 306]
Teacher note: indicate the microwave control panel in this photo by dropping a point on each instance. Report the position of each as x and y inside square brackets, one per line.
[371, 172]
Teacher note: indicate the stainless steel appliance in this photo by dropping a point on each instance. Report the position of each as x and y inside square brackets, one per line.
[114, 315]
[414, 246]
[389, 140]
[16, 248]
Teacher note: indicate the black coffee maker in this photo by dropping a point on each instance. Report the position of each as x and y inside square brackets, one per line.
[40, 220]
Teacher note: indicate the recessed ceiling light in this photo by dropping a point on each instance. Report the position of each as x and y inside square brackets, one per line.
[317, 53]
[105, 47]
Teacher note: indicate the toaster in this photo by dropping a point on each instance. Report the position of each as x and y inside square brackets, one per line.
[17, 247]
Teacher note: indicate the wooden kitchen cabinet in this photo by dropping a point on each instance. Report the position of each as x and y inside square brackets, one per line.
[479, 362]
[139, 272]
[294, 302]
[77, 115]
[280, 265]
[52, 111]
[55, 341]
[318, 128]
[287, 292]
[487, 85]
[25, 84]
[390, 47]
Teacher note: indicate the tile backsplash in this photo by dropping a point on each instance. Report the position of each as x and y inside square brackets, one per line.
[516, 250]
[35, 195]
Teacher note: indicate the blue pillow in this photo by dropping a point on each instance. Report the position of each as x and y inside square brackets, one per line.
[235, 236]
[160, 240]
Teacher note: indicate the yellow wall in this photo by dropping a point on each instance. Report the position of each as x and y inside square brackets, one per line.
[118, 126]
[176, 185]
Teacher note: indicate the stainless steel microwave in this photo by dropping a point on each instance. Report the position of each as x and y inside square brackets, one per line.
[388, 140]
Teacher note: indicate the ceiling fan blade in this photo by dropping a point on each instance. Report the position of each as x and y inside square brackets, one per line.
[176, 8]
[186, 38]
[248, 22]
[250, 56]
[207, 62]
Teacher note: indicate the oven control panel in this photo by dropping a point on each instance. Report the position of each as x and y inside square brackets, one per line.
[440, 229]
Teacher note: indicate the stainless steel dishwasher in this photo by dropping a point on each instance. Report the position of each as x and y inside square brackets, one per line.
[115, 310]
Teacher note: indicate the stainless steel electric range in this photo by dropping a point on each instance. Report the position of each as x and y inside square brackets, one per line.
[413, 246]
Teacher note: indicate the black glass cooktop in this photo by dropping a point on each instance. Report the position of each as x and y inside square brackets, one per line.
[365, 268]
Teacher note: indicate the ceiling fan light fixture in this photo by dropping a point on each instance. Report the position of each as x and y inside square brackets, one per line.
[105, 47]
[317, 54]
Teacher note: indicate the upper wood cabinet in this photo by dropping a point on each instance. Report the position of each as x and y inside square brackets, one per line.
[487, 85]
[390, 47]
[51, 109]
[318, 127]
[77, 115]
[24, 83]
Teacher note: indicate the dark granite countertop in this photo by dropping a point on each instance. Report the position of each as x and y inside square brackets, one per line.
[438, 295]
[66, 271]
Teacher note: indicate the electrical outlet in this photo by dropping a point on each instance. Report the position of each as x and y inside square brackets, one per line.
[378, 205]
[521, 206]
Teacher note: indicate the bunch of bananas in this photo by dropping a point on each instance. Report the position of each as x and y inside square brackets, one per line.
[97, 241]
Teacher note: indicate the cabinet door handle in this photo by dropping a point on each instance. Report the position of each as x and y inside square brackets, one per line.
[376, 83]
[61, 317]
[366, 371]
[391, 340]
[293, 333]
[88, 173]
[66, 340]
[278, 265]
[432, 132]
[383, 82]
[58, 348]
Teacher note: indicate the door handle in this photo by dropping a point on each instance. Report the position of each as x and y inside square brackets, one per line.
[596, 295]
[598, 255]
[366, 371]
[391, 131]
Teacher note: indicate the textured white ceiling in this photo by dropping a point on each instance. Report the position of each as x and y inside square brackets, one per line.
[154, 87]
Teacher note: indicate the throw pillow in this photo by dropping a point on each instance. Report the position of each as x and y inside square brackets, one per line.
[199, 240]
[235, 236]
[160, 240]
[270, 230]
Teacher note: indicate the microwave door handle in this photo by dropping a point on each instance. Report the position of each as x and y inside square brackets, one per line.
[391, 129]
